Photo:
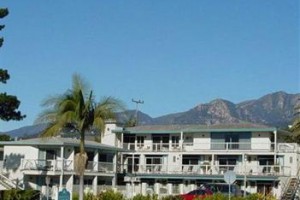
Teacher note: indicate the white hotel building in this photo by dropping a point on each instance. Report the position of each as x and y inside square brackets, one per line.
[175, 159]
[163, 160]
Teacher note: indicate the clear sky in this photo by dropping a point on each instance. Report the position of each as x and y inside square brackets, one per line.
[172, 54]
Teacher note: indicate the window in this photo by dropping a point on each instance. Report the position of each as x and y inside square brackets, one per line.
[129, 138]
[50, 154]
[230, 140]
[160, 142]
[140, 140]
[175, 141]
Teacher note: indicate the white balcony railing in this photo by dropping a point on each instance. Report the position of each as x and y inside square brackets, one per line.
[66, 165]
[208, 169]
[198, 146]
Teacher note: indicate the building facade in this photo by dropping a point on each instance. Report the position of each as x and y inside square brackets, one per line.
[47, 164]
[157, 159]
[175, 159]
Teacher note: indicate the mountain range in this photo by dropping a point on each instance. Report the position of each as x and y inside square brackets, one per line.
[275, 109]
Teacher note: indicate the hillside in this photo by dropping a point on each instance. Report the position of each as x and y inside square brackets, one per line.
[274, 109]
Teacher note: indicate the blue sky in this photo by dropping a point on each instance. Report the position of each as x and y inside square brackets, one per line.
[172, 54]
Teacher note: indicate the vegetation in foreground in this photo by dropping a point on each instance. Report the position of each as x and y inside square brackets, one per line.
[113, 195]
[16, 194]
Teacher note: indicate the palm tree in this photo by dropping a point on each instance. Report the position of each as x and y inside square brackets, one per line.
[77, 110]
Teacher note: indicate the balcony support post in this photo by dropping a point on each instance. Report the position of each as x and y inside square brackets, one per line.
[275, 147]
[62, 168]
[181, 141]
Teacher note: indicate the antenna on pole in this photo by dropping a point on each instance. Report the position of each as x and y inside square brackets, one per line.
[137, 102]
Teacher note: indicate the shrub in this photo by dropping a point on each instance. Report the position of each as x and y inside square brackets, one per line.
[171, 197]
[147, 197]
[109, 195]
[16, 194]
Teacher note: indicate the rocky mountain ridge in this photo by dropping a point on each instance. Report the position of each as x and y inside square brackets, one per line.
[275, 109]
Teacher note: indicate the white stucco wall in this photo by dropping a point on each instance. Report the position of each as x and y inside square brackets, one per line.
[109, 137]
[260, 141]
[13, 156]
[202, 141]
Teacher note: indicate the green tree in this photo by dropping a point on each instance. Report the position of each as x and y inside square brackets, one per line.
[295, 129]
[76, 109]
[9, 104]
[4, 137]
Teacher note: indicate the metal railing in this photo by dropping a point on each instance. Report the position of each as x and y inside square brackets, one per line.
[198, 146]
[208, 169]
[66, 165]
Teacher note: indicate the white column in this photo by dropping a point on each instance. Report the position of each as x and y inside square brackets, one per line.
[95, 181]
[129, 190]
[275, 146]
[144, 188]
[61, 177]
[181, 188]
[96, 160]
[181, 140]
[156, 188]
[115, 162]
[170, 188]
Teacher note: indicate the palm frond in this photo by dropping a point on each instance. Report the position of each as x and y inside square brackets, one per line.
[47, 116]
[78, 83]
[99, 124]
[52, 130]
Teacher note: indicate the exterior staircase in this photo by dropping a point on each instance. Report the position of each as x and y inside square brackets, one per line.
[291, 189]
[8, 184]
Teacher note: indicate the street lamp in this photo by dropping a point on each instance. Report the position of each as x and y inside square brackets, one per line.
[47, 179]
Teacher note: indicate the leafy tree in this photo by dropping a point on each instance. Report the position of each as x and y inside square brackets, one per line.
[77, 110]
[4, 137]
[9, 104]
[295, 129]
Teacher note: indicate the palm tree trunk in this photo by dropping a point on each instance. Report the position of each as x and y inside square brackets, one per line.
[81, 184]
[82, 154]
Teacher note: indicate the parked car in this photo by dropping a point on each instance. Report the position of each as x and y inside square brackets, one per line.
[199, 193]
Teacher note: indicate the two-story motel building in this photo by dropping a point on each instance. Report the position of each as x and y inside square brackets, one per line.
[174, 159]
[169, 159]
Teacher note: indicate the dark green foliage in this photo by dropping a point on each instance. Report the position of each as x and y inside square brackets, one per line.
[145, 197]
[3, 12]
[131, 122]
[4, 137]
[171, 197]
[15, 194]
[110, 195]
[9, 104]
[295, 129]
[105, 195]
[8, 108]
[4, 76]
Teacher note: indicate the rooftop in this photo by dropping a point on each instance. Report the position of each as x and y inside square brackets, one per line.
[59, 141]
[196, 128]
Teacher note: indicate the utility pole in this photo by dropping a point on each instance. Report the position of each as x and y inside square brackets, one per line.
[137, 102]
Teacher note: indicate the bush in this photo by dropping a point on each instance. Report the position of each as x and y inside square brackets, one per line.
[258, 196]
[16, 194]
[147, 197]
[171, 197]
[109, 195]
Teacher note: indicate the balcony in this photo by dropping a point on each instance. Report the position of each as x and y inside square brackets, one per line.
[208, 169]
[65, 165]
[212, 146]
